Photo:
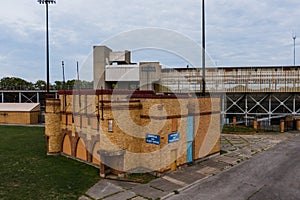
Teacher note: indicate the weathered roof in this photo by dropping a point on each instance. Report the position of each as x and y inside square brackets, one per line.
[19, 107]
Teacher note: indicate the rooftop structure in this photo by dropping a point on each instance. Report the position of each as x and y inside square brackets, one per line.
[114, 69]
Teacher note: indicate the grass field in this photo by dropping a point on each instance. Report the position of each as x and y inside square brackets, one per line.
[26, 172]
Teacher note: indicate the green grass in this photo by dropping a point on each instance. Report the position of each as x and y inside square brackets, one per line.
[26, 172]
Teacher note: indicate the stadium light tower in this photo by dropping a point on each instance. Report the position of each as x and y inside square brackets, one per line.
[294, 38]
[203, 48]
[46, 2]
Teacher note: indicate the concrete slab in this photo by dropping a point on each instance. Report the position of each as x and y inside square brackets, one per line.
[233, 154]
[240, 146]
[114, 189]
[218, 165]
[237, 141]
[232, 148]
[122, 195]
[102, 189]
[84, 198]
[208, 170]
[139, 198]
[245, 151]
[124, 184]
[187, 176]
[168, 179]
[229, 160]
[148, 192]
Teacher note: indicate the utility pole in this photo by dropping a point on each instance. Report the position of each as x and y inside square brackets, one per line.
[46, 2]
[63, 73]
[203, 48]
[64, 84]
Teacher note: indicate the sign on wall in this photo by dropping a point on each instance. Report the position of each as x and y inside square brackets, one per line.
[148, 69]
[173, 137]
[153, 139]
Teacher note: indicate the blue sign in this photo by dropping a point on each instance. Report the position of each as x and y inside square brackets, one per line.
[174, 137]
[153, 139]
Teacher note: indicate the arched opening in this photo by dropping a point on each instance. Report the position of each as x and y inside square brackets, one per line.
[81, 150]
[96, 156]
[67, 145]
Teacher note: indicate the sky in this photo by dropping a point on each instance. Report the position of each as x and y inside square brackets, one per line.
[238, 32]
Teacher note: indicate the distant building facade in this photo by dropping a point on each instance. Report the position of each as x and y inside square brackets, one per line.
[115, 69]
[19, 113]
[265, 93]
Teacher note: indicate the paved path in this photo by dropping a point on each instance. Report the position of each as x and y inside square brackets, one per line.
[236, 149]
[274, 174]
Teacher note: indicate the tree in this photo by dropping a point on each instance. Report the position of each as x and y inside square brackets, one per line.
[40, 85]
[58, 85]
[13, 83]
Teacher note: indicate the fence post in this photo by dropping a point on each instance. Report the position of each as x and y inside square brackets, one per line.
[255, 124]
[234, 122]
[282, 125]
[298, 124]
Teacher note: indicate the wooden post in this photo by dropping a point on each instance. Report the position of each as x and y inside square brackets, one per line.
[255, 124]
[102, 170]
[282, 125]
[298, 124]
[234, 122]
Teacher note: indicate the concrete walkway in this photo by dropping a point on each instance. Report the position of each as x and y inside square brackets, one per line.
[235, 150]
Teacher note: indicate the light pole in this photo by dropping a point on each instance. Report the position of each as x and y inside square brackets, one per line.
[294, 38]
[203, 48]
[46, 2]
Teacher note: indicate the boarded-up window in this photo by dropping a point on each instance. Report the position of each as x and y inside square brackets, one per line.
[64, 119]
[110, 125]
[70, 119]
[174, 125]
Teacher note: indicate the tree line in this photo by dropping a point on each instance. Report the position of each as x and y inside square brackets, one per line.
[14, 83]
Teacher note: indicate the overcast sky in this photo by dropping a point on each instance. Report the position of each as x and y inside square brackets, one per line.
[239, 32]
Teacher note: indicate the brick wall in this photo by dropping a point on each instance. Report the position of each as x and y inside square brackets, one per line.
[19, 117]
[116, 125]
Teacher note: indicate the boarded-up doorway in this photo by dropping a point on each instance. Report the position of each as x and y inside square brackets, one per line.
[81, 150]
[174, 160]
[67, 145]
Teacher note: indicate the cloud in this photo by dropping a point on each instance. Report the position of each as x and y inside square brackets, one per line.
[251, 32]
[239, 33]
